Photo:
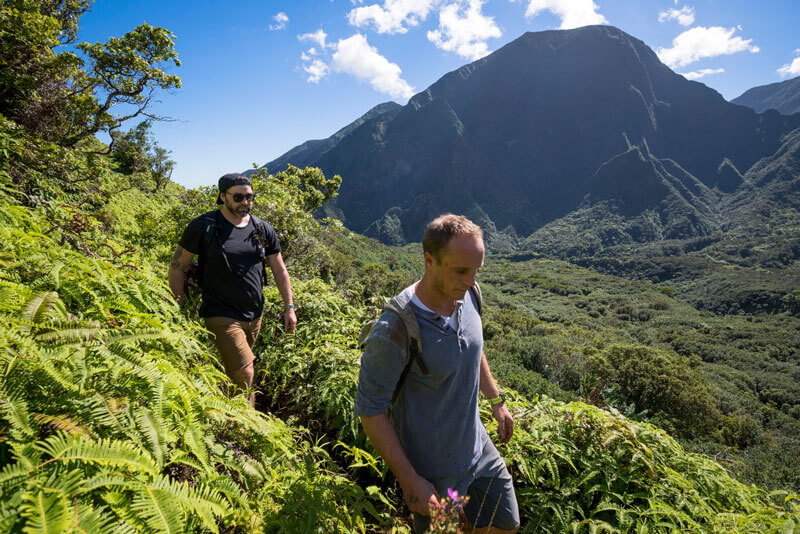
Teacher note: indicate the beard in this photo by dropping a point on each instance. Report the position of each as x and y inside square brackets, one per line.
[240, 210]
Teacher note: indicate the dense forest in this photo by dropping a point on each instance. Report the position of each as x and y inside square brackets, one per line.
[636, 411]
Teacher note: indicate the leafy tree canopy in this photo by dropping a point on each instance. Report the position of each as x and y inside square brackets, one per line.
[64, 92]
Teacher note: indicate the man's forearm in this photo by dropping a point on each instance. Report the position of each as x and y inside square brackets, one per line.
[419, 494]
[177, 278]
[487, 384]
[284, 285]
[383, 437]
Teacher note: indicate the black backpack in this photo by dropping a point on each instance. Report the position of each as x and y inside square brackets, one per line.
[401, 305]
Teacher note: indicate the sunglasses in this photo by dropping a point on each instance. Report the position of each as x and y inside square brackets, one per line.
[238, 197]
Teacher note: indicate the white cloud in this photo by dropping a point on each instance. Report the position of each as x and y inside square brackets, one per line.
[305, 57]
[697, 74]
[793, 68]
[467, 35]
[355, 56]
[573, 13]
[395, 16]
[318, 69]
[701, 42]
[684, 15]
[280, 21]
[318, 37]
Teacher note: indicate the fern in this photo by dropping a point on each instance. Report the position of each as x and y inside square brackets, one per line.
[158, 510]
[46, 513]
[152, 427]
[65, 448]
[44, 306]
[15, 411]
[90, 520]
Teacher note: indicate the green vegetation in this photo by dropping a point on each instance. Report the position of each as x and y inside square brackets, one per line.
[115, 415]
[715, 381]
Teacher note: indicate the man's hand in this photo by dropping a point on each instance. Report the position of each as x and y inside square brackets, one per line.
[420, 496]
[505, 422]
[289, 319]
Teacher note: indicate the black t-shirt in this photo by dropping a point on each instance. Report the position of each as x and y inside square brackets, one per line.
[233, 288]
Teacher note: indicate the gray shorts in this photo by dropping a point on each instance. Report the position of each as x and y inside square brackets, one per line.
[492, 501]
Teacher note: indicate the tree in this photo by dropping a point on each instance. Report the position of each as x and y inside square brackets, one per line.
[161, 167]
[67, 96]
[138, 153]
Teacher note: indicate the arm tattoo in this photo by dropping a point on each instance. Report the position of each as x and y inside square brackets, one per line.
[176, 257]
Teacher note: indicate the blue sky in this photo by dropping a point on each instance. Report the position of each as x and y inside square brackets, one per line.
[262, 77]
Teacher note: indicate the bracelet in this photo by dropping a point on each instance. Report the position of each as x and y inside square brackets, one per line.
[289, 306]
[500, 399]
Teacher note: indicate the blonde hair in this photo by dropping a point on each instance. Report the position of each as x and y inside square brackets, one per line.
[444, 228]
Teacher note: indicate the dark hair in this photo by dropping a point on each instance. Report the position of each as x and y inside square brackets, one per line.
[444, 228]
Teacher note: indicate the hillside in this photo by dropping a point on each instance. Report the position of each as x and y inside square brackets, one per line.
[116, 415]
[555, 328]
[783, 97]
[306, 154]
[525, 120]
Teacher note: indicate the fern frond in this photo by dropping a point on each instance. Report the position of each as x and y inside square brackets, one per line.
[183, 457]
[67, 483]
[230, 489]
[158, 510]
[10, 508]
[12, 296]
[64, 448]
[13, 471]
[46, 513]
[44, 306]
[106, 481]
[195, 440]
[66, 382]
[65, 332]
[200, 499]
[152, 426]
[128, 337]
[91, 520]
[15, 411]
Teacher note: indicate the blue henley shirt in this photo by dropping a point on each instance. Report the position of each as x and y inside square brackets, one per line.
[435, 415]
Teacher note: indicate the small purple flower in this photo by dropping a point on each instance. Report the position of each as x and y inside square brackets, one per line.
[453, 494]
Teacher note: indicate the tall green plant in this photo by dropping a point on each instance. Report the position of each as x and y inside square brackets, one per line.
[114, 415]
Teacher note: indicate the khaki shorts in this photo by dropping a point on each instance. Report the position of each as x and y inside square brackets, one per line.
[234, 340]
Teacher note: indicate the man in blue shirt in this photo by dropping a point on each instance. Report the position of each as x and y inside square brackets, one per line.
[432, 438]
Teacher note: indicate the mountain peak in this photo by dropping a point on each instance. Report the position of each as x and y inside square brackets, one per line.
[516, 137]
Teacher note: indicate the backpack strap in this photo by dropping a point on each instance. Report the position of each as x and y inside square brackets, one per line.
[261, 234]
[402, 307]
[209, 234]
[476, 290]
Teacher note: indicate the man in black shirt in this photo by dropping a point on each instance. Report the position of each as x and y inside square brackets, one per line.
[232, 246]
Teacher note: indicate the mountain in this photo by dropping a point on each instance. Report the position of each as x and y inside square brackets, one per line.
[784, 97]
[516, 140]
[309, 152]
[632, 198]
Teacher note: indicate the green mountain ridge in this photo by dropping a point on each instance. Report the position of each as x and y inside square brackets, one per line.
[784, 97]
[515, 138]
